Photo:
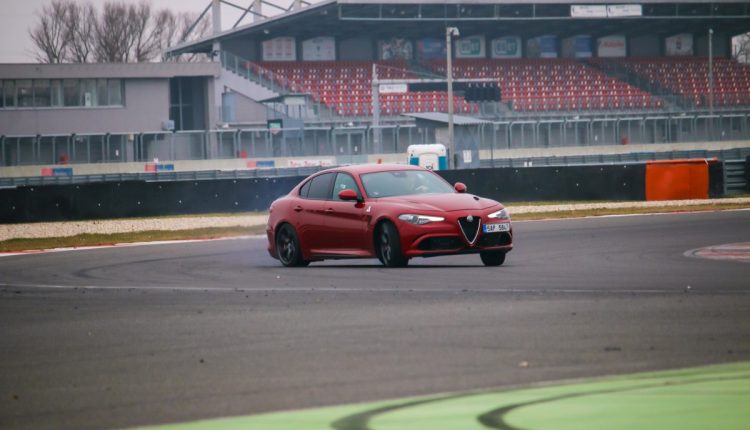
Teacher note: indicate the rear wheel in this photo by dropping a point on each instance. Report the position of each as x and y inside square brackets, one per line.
[492, 258]
[389, 247]
[287, 247]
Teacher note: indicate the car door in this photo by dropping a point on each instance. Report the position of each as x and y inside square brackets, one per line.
[311, 209]
[346, 220]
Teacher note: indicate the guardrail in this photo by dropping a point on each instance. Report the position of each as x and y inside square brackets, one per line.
[632, 157]
[735, 178]
[355, 140]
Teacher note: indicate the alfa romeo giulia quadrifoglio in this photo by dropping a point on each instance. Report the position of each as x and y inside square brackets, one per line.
[392, 212]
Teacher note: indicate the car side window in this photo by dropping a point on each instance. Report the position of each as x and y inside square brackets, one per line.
[304, 189]
[320, 187]
[344, 181]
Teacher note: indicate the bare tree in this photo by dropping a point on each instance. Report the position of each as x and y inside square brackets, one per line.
[49, 34]
[74, 32]
[146, 31]
[177, 28]
[114, 38]
[80, 26]
[741, 48]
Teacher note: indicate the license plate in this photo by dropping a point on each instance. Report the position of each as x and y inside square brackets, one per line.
[496, 228]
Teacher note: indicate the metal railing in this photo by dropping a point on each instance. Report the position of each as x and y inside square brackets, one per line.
[354, 141]
[734, 169]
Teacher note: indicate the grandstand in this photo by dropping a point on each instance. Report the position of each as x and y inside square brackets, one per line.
[688, 78]
[550, 58]
[303, 84]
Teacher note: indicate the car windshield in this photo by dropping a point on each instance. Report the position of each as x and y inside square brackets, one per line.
[403, 182]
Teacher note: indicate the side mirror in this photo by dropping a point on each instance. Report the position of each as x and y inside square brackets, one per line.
[460, 187]
[348, 195]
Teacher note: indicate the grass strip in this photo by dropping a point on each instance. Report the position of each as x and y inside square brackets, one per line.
[13, 245]
[579, 213]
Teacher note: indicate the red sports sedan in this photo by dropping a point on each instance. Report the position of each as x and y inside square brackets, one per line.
[392, 212]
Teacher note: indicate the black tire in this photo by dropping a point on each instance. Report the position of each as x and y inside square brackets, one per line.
[287, 247]
[492, 258]
[389, 246]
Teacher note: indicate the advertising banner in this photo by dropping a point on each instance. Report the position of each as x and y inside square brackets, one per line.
[588, 11]
[506, 47]
[280, 49]
[430, 49]
[679, 44]
[319, 49]
[624, 10]
[577, 47]
[611, 46]
[393, 88]
[396, 49]
[325, 162]
[470, 47]
[542, 47]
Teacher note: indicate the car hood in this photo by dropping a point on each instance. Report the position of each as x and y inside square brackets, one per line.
[441, 202]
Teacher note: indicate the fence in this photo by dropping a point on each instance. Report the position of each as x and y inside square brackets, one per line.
[355, 141]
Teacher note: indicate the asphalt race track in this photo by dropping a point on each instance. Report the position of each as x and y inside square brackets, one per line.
[121, 337]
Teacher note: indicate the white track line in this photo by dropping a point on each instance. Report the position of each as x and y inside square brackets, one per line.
[369, 290]
[126, 245]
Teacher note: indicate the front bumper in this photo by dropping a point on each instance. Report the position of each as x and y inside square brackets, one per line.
[447, 238]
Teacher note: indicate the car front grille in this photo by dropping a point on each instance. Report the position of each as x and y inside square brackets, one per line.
[495, 239]
[470, 229]
[441, 243]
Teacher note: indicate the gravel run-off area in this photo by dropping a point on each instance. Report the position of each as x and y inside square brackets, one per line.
[73, 228]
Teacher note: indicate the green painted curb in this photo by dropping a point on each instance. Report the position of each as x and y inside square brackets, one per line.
[696, 398]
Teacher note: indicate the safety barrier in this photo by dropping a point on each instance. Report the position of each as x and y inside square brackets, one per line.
[131, 198]
[677, 179]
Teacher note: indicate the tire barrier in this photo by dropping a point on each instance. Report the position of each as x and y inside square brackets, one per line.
[105, 200]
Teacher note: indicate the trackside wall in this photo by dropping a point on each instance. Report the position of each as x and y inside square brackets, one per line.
[140, 198]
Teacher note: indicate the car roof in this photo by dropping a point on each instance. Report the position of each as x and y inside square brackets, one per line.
[359, 169]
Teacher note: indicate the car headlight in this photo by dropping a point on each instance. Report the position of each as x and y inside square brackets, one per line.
[501, 214]
[420, 219]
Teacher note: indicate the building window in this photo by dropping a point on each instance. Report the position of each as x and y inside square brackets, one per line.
[88, 92]
[46, 93]
[71, 92]
[42, 94]
[56, 92]
[24, 93]
[101, 92]
[114, 87]
[9, 94]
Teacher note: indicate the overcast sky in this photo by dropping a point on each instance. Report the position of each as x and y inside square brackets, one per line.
[17, 16]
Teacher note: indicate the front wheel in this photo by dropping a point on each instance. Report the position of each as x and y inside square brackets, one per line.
[287, 247]
[389, 247]
[492, 258]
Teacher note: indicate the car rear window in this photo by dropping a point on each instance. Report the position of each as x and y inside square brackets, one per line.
[320, 187]
[304, 189]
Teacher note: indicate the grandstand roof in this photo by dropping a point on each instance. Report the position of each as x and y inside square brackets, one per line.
[442, 118]
[384, 18]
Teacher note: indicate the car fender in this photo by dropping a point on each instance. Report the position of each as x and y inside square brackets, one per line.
[374, 221]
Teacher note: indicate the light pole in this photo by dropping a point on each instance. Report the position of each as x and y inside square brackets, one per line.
[711, 78]
[450, 32]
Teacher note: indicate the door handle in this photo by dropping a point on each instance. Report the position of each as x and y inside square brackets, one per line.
[298, 208]
[329, 210]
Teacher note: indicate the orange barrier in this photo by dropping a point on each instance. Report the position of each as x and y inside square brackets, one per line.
[677, 179]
